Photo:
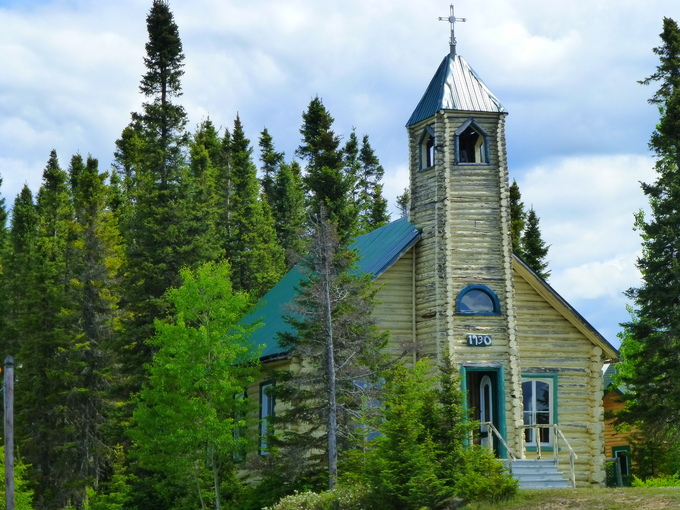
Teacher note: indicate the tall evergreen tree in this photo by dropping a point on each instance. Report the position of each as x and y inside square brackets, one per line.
[42, 425]
[327, 183]
[372, 205]
[341, 346]
[533, 248]
[271, 161]
[653, 338]
[256, 258]
[517, 216]
[154, 231]
[288, 209]
[96, 254]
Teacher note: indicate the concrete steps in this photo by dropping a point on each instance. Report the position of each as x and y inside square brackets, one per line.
[538, 474]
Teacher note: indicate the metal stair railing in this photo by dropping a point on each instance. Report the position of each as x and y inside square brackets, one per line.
[495, 432]
[557, 433]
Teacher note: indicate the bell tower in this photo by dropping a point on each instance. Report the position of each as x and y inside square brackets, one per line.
[463, 270]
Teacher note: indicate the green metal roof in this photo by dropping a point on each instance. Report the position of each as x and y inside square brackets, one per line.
[610, 383]
[377, 251]
[455, 86]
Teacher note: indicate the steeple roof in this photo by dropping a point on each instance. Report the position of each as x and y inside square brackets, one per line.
[455, 86]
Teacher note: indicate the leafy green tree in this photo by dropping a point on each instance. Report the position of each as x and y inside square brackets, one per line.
[534, 250]
[340, 346]
[327, 183]
[256, 258]
[517, 216]
[113, 494]
[653, 350]
[191, 422]
[23, 495]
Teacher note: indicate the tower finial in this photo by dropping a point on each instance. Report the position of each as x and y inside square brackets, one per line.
[452, 20]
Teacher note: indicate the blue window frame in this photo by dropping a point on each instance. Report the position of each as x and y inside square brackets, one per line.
[267, 404]
[477, 300]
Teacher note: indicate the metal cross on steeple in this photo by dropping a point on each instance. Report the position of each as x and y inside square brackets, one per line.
[452, 19]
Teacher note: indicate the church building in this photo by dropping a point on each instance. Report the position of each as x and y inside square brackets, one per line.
[531, 365]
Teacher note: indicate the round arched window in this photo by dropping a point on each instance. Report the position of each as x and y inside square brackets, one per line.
[477, 300]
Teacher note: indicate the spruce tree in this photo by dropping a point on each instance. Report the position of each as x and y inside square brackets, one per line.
[652, 339]
[46, 337]
[271, 161]
[155, 229]
[288, 209]
[256, 258]
[517, 216]
[340, 346]
[97, 258]
[326, 181]
[372, 205]
[533, 247]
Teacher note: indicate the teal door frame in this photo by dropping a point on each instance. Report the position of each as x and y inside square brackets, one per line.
[499, 398]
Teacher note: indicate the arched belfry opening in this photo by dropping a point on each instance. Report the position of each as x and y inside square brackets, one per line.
[471, 144]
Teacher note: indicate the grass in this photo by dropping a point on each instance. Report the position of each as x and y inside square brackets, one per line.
[630, 498]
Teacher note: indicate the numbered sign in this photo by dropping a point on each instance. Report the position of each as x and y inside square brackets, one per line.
[479, 340]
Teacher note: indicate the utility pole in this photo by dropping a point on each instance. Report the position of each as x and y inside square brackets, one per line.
[9, 432]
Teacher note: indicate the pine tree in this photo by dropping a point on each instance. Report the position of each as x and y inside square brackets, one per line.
[517, 216]
[256, 258]
[327, 183]
[533, 247]
[653, 362]
[341, 347]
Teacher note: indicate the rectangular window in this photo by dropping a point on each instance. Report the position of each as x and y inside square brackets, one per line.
[539, 408]
[267, 404]
[622, 456]
[239, 432]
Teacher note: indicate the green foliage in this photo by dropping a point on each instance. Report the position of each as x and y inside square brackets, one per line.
[483, 478]
[652, 347]
[198, 376]
[661, 481]
[517, 216]
[335, 334]
[23, 494]
[404, 202]
[534, 250]
[342, 498]
[115, 493]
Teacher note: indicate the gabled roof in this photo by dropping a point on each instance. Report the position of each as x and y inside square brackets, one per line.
[568, 312]
[610, 383]
[376, 251]
[455, 86]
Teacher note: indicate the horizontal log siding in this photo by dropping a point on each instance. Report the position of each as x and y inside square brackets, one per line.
[550, 344]
[394, 311]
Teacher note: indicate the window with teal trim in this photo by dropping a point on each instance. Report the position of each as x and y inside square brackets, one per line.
[538, 398]
[477, 300]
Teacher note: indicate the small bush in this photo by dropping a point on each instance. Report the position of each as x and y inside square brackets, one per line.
[484, 478]
[659, 481]
[340, 499]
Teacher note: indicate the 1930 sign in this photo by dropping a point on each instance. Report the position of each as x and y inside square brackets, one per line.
[479, 340]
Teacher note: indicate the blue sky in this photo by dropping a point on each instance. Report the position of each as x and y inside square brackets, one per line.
[567, 73]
